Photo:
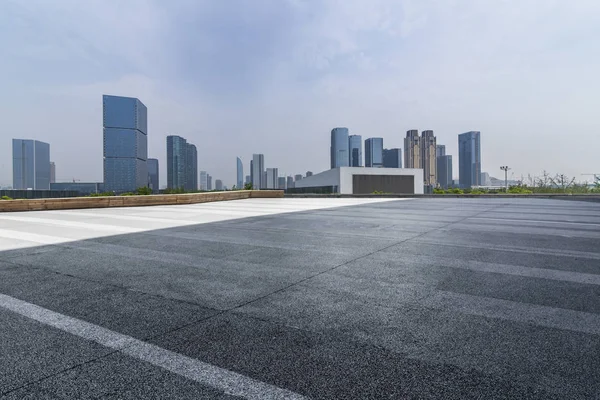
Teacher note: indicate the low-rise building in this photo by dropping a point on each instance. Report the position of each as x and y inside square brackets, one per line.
[356, 180]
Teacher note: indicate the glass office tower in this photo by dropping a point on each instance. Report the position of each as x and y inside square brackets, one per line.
[125, 121]
[469, 159]
[356, 156]
[153, 174]
[31, 164]
[392, 158]
[340, 154]
[374, 152]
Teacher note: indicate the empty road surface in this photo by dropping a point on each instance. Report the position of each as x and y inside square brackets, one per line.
[303, 299]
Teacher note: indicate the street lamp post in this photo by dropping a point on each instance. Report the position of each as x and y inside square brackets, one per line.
[505, 169]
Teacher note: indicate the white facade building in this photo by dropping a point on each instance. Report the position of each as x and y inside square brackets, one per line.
[355, 180]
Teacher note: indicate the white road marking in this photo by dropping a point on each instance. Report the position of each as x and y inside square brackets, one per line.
[222, 379]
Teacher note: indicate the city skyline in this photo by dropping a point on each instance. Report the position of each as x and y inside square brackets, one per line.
[304, 67]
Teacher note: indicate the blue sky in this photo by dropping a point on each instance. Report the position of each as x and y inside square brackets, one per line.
[237, 77]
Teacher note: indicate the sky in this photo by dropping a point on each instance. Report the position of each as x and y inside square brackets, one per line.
[237, 77]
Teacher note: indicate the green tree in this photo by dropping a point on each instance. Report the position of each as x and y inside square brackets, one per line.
[248, 186]
[144, 191]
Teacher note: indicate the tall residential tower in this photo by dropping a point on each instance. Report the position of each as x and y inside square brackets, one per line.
[429, 158]
[412, 149]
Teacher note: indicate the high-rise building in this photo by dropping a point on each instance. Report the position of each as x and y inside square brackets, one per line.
[176, 162]
[297, 177]
[203, 180]
[240, 173]
[429, 158]
[209, 185]
[218, 184]
[309, 173]
[153, 174]
[289, 182]
[125, 122]
[281, 183]
[392, 158]
[469, 159]
[374, 153]
[444, 171]
[191, 167]
[412, 149]
[247, 180]
[182, 164]
[52, 172]
[340, 155]
[486, 180]
[355, 148]
[272, 182]
[31, 164]
[258, 169]
[440, 150]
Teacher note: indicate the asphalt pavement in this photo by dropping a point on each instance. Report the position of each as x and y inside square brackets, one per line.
[303, 298]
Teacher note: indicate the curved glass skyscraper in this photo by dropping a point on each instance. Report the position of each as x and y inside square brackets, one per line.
[340, 154]
[240, 174]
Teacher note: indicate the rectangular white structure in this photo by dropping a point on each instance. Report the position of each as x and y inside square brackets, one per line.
[357, 180]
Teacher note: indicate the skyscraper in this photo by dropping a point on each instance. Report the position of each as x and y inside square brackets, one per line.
[125, 121]
[444, 171]
[355, 147]
[429, 158]
[240, 173]
[153, 174]
[31, 164]
[281, 183]
[203, 180]
[176, 162]
[191, 167]
[218, 184]
[340, 155]
[440, 150]
[412, 149]
[272, 175]
[258, 168]
[289, 182]
[52, 172]
[469, 159]
[209, 185]
[248, 180]
[182, 164]
[374, 152]
[392, 158]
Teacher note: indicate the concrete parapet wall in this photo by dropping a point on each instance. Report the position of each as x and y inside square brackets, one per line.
[133, 201]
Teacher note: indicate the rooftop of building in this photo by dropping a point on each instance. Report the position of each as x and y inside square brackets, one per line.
[303, 298]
